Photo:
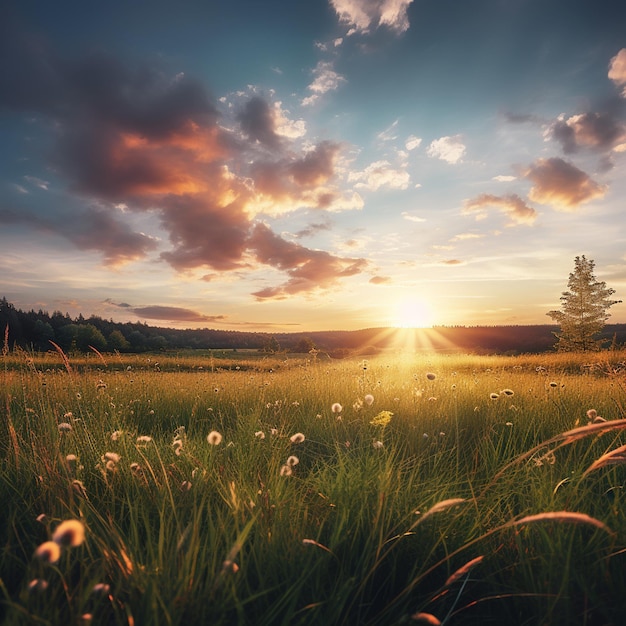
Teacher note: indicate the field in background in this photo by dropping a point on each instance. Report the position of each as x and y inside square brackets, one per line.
[234, 488]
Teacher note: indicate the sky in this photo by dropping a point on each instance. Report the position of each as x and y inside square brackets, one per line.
[318, 165]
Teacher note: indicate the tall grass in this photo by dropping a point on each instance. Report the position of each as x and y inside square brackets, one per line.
[466, 488]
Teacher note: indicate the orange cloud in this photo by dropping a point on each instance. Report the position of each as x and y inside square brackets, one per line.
[512, 206]
[561, 184]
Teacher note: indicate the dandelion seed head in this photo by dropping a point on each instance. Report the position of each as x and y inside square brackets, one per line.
[214, 438]
[259, 434]
[273, 431]
[48, 552]
[65, 427]
[592, 414]
[142, 439]
[369, 399]
[111, 456]
[297, 438]
[336, 407]
[286, 470]
[116, 434]
[71, 533]
[377, 445]
[292, 461]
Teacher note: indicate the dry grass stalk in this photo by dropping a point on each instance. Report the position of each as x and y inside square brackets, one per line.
[614, 457]
[562, 516]
[66, 361]
[426, 618]
[462, 571]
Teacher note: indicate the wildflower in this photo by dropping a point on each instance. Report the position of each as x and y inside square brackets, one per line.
[68, 416]
[65, 427]
[101, 589]
[48, 552]
[135, 468]
[71, 532]
[273, 431]
[358, 405]
[425, 436]
[377, 445]
[297, 438]
[114, 457]
[336, 407]
[507, 392]
[494, 396]
[177, 444]
[509, 424]
[259, 434]
[369, 399]
[382, 419]
[214, 438]
[185, 485]
[592, 414]
[292, 461]
[37, 585]
[116, 434]
[144, 439]
[286, 470]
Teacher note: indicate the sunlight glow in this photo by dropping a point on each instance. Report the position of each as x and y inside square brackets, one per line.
[412, 313]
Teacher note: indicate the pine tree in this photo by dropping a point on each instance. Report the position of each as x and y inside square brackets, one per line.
[583, 309]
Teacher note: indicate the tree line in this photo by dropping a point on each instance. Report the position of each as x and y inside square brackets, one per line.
[34, 330]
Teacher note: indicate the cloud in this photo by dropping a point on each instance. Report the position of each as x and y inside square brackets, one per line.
[504, 179]
[173, 314]
[93, 228]
[412, 218]
[561, 184]
[453, 262]
[617, 70]
[313, 229]
[463, 237]
[380, 280]
[512, 206]
[413, 142]
[597, 131]
[448, 149]
[258, 122]
[390, 133]
[361, 16]
[131, 135]
[308, 270]
[380, 174]
[325, 79]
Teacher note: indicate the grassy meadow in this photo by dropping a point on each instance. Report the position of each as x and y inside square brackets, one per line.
[239, 489]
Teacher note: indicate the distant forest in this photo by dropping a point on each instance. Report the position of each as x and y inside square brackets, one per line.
[34, 330]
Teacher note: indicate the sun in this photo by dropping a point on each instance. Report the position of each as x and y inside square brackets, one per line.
[412, 312]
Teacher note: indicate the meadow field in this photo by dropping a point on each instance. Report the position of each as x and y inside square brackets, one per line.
[236, 488]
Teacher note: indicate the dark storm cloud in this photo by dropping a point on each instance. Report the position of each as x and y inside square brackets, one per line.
[131, 134]
[308, 269]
